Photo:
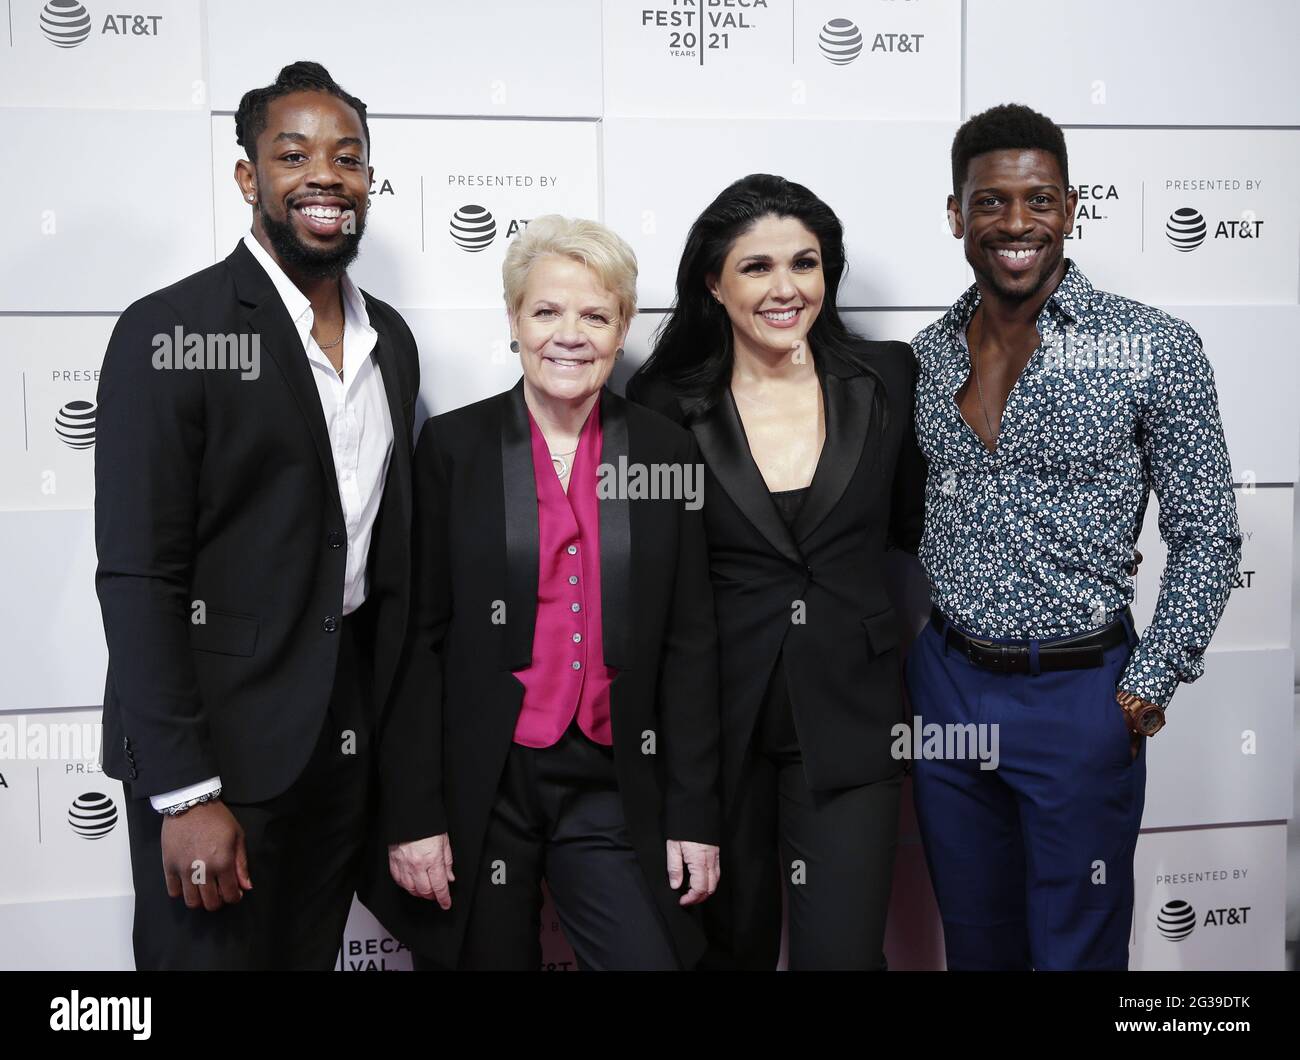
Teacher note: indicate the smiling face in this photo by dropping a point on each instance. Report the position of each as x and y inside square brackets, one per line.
[311, 183]
[1014, 217]
[772, 286]
[568, 328]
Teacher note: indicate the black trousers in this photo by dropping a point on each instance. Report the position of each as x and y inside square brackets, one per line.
[832, 851]
[304, 849]
[558, 816]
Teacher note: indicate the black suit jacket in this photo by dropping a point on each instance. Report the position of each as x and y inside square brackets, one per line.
[211, 487]
[451, 723]
[816, 591]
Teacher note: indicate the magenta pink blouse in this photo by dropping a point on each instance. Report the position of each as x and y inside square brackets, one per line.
[568, 674]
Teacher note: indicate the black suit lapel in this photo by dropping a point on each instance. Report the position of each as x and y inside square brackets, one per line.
[721, 436]
[848, 402]
[395, 392]
[389, 552]
[615, 538]
[278, 338]
[519, 485]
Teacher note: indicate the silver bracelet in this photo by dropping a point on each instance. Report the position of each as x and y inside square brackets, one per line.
[182, 807]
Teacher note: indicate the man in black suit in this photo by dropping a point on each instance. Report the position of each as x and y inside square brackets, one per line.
[252, 520]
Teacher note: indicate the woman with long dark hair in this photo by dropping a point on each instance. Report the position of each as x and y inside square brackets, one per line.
[812, 473]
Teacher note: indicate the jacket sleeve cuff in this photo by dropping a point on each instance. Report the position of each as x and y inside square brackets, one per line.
[408, 822]
[694, 821]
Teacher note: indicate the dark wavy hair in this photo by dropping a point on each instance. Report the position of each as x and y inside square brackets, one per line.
[693, 346]
[302, 76]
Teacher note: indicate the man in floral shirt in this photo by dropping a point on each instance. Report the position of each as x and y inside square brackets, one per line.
[1048, 411]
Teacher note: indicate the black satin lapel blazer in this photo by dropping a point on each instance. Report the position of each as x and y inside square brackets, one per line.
[813, 593]
[456, 701]
[721, 436]
[218, 485]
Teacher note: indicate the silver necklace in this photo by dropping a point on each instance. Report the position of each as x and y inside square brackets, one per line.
[331, 345]
[561, 465]
[979, 386]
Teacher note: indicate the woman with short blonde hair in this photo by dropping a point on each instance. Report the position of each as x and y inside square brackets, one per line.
[611, 261]
[556, 632]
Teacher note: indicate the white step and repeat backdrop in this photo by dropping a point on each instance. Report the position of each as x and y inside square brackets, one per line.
[120, 151]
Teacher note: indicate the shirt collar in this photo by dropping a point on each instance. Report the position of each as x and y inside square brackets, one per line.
[297, 303]
[1073, 295]
[1072, 299]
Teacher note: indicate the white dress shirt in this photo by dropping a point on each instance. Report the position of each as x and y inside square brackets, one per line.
[361, 438]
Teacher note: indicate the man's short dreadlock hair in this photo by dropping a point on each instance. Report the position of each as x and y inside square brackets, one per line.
[1010, 126]
[250, 119]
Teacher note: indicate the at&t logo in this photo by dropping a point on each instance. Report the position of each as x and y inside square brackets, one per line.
[840, 41]
[92, 815]
[1177, 920]
[1187, 229]
[473, 228]
[66, 24]
[75, 424]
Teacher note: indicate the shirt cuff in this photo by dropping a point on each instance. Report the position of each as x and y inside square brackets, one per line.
[169, 799]
[1149, 677]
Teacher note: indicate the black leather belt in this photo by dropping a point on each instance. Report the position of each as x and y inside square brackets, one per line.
[1071, 653]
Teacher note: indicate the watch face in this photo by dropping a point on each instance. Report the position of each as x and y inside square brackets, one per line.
[1149, 722]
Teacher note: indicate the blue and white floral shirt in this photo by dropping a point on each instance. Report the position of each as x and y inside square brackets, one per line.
[1034, 539]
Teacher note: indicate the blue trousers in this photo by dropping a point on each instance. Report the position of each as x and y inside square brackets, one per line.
[1032, 861]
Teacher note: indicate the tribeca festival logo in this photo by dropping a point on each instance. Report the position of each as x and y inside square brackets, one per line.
[92, 815]
[712, 23]
[370, 954]
[67, 24]
[380, 186]
[1092, 198]
[473, 228]
[74, 423]
[840, 41]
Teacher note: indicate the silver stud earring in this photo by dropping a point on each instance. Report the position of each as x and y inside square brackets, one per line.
[250, 197]
[514, 345]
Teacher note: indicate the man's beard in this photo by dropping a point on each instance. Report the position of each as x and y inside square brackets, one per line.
[326, 264]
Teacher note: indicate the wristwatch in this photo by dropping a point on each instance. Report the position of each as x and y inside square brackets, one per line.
[1144, 717]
